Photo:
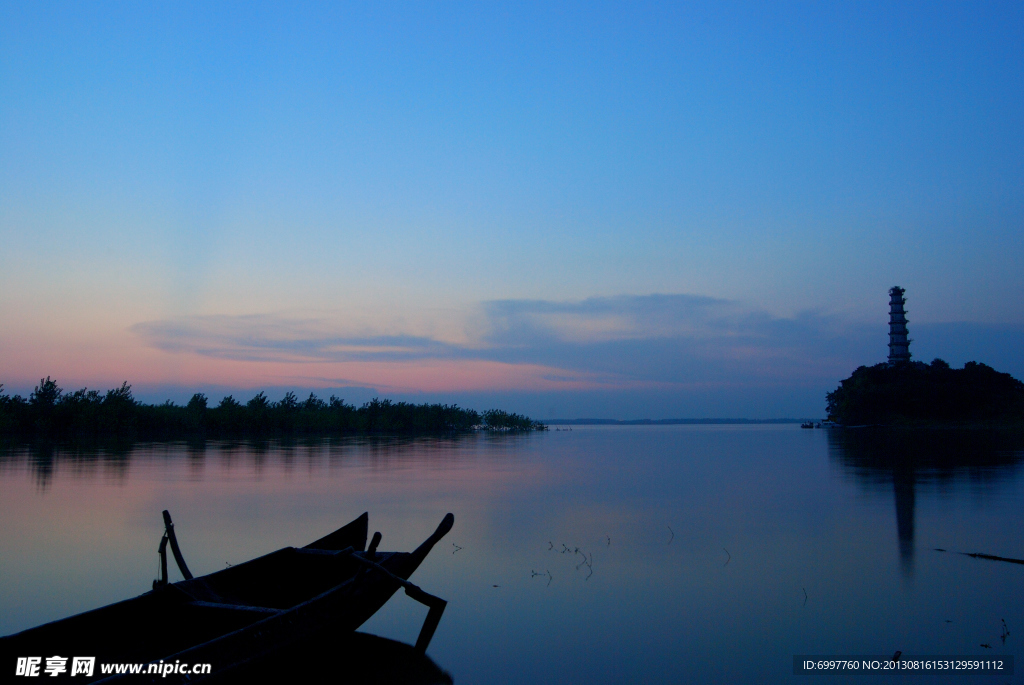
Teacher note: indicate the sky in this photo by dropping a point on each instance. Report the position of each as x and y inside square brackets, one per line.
[612, 210]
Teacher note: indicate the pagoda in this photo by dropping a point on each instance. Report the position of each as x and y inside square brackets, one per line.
[899, 343]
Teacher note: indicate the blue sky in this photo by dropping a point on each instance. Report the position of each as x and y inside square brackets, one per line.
[626, 210]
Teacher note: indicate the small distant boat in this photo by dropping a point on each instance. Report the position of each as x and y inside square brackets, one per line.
[236, 617]
[809, 424]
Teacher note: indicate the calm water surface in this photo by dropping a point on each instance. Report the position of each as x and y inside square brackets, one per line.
[597, 555]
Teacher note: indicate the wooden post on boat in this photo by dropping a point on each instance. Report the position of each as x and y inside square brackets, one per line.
[180, 560]
[436, 605]
[162, 551]
[371, 553]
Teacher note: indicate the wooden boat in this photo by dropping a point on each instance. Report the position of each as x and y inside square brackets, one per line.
[233, 618]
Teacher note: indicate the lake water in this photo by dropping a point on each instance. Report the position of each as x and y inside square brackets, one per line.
[597, 555]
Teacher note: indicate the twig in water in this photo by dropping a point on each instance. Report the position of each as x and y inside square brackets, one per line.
[673, 535]
[588, 563]
[992, 557]
[550, 578]
[805, 595]
[551, 545]
[727, 560]
[986, 646]
[1005, 631]
[609, 540]
[457, 548]
[565, 548]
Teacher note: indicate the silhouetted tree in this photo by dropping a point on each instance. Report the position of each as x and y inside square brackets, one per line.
[195, 413]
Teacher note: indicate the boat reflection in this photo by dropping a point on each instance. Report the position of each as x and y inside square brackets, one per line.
[354, 658]
[908, 459]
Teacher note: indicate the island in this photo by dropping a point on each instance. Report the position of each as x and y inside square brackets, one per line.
[905, 393]
[50, 413]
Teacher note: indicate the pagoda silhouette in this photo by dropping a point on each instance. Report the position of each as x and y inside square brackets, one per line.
[899, 343]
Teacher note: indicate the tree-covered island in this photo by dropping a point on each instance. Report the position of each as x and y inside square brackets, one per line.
[51, 413]
[919, 394]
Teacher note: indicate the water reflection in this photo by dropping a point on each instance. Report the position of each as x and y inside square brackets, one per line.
[80, 459]
[113, 460]
[713, 553]
[905, 459]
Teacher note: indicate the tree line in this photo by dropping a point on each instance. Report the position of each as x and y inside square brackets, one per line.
[51, 413]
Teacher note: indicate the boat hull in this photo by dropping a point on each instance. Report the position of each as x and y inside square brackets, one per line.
[234, 617]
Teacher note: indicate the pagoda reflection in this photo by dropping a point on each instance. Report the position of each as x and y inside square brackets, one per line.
[905, 460]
